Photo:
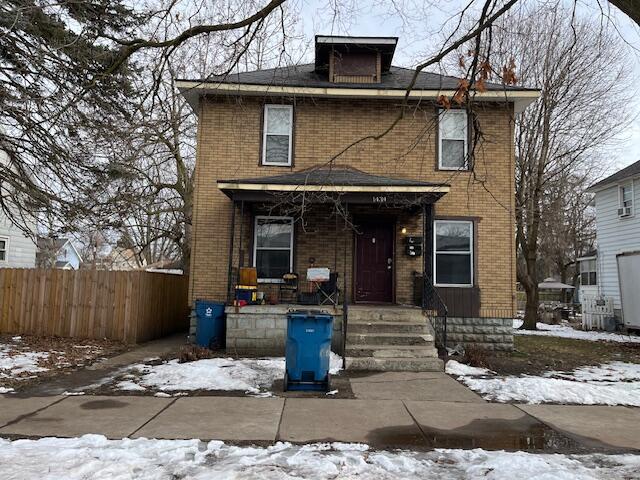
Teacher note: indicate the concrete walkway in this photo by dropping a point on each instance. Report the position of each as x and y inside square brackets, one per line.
[382, 423]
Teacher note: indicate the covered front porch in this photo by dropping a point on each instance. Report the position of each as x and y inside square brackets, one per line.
[371, 233]
[373, 237]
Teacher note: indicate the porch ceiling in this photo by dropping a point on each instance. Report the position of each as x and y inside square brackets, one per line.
[326, 184]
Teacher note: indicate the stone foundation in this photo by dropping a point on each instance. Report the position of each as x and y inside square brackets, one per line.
[262, 329]
[489, 333]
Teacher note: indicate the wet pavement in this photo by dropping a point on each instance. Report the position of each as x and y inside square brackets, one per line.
[380, 423]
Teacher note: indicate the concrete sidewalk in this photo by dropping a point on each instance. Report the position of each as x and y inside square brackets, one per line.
[381, 423]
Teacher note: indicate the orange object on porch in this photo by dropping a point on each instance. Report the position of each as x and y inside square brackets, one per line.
[248, 276]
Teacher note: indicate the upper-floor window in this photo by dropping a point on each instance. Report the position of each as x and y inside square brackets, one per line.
[4, 247]
[453, 259]
[588, 275]
[625, 202]
[277, 135]
[273, 247]
[452, 140]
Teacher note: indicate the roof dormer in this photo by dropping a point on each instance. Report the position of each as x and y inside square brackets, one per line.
[354, 59]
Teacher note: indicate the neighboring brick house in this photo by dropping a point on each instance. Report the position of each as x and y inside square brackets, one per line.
[270, 141]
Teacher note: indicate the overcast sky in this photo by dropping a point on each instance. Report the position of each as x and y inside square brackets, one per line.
[421, 28]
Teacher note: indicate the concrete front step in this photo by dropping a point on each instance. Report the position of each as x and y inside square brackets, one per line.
[391, 351]
[389, 339]
[425, 364]
[396, 314]
[361, 326]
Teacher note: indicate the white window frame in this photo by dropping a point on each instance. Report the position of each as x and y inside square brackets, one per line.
[255, 245]
[621, 201]
[264, 135]
[595, 270]
[6, 249]
[463, 113]
[471, 253]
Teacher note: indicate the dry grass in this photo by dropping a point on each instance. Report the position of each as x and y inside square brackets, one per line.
[476, 356]
[191, 353]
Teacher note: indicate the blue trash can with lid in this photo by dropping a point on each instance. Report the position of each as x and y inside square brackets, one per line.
[308, 350]
[210, 329]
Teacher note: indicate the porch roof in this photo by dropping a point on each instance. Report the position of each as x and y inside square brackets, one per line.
[349, 183]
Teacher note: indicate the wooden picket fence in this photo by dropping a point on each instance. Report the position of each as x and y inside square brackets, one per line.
[129, 306]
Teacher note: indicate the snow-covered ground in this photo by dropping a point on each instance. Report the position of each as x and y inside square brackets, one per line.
[566, 331]
[25, 358]
[615, 383]
[250, 375]
[95, 457]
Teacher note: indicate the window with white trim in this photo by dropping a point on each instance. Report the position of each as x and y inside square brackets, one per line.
[277, 135]
[453, 253]
[625, 200]
[452, 140]
[273, 247]
[588, 275]
[4, 248]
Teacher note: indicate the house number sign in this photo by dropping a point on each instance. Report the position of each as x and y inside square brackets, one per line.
[379, 199]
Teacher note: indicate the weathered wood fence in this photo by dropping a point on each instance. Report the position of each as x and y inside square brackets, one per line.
[130, 306]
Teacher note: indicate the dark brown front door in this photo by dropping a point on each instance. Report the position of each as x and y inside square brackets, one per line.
[374, 263]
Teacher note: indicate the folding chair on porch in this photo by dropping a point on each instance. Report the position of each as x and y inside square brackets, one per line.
[328, 292]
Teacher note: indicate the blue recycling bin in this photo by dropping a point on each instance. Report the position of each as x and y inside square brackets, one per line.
[308, 350]
[210, 330]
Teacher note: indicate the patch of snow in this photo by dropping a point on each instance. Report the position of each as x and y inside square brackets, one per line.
[332, 392]
[16, 339]
[6, 390]
[72, 394]
[456, 368]
[250, 375]
[14, 362]
[615, 383]
[566, 331]
[130, 386]
[95, 457]
[162, 395]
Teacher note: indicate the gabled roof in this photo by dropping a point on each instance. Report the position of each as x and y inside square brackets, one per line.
[343, 177]
[627, 172]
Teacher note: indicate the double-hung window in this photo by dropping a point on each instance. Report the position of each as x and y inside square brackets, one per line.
[273, 247]
[277, 135]
[4, 247]
[452, 140]
[453, 253]
[626, 200]
[588, 275]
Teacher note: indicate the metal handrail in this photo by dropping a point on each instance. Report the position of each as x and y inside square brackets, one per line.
[436, 311]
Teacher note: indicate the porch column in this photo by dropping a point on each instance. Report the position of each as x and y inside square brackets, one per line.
[232, 235]
[427, 240]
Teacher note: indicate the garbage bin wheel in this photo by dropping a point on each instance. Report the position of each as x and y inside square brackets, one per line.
[285, 387]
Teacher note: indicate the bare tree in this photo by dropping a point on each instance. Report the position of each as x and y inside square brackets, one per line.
[580, 69]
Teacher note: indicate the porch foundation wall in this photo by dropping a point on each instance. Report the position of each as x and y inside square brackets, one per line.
[488, 333]
[264, 331]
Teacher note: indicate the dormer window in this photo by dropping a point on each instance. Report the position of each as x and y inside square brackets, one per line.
[354, 59]
[354, 67]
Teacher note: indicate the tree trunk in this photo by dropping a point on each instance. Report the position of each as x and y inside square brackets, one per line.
[531, 289]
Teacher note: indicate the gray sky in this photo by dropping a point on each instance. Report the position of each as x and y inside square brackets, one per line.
[420, 30]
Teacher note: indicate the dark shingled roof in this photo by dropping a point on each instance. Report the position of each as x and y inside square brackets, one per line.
[397, 78]
[334, 176]
[630, 171]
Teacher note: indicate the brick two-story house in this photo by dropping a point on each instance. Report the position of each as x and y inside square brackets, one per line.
[289, 176]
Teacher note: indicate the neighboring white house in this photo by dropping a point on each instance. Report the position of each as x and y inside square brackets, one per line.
[58, 253]
[617, 263]
[16, 249]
